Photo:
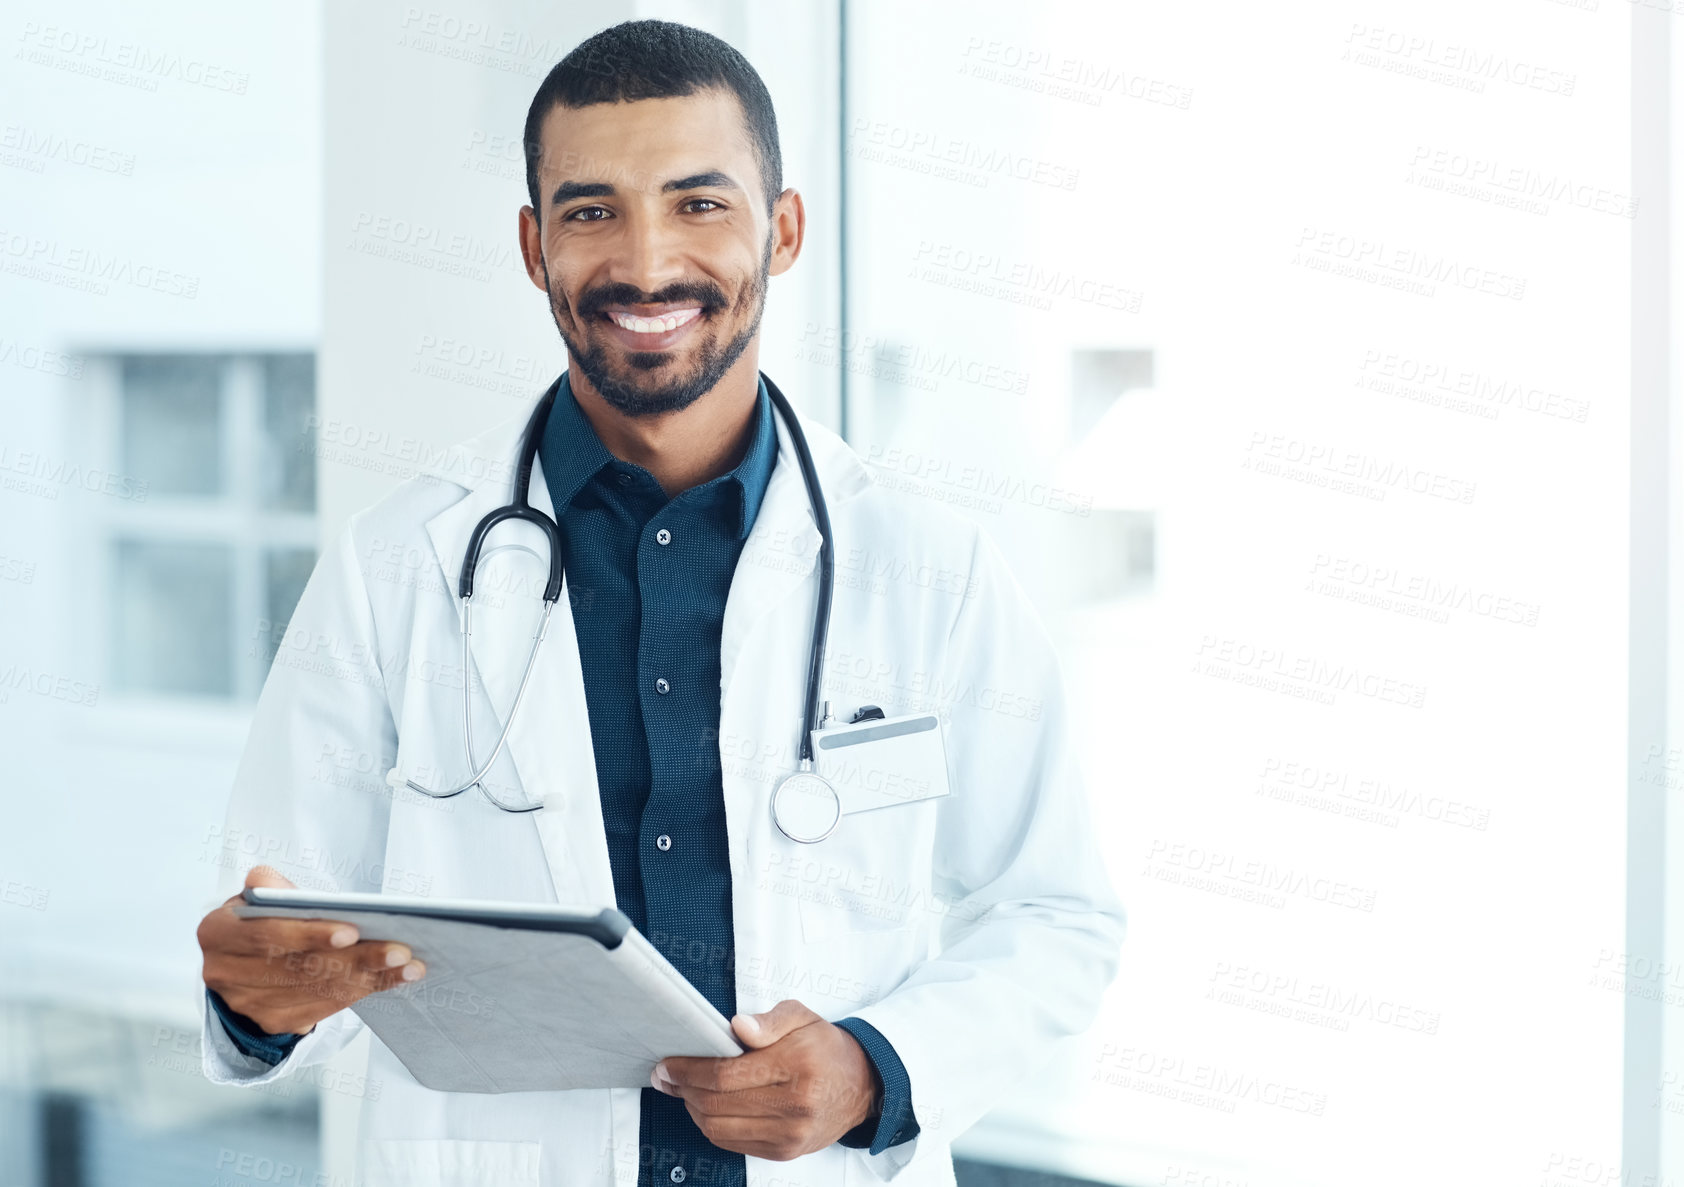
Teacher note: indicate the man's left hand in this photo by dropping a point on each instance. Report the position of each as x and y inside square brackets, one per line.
[803, 1083]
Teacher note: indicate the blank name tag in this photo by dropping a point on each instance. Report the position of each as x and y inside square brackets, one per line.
[877, 764]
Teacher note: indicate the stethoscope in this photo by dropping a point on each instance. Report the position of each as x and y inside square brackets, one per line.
[805, 807]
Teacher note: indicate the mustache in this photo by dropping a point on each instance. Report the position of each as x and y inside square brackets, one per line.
[598, 300]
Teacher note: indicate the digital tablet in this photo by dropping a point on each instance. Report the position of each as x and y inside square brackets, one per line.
[517, 997]
[606, 925]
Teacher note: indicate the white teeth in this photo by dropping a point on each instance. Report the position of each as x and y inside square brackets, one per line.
[654, 325]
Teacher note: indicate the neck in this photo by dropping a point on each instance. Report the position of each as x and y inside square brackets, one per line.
[688, 447]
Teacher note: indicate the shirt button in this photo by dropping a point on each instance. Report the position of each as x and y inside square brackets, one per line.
[663, 537]
[661, 685]
[663, 842]
[677, 1175]
[623, 479]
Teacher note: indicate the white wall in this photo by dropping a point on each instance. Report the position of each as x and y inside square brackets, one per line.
[160, 166]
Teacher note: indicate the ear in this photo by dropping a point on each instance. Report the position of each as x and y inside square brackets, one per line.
[789, 230]
[532, 248]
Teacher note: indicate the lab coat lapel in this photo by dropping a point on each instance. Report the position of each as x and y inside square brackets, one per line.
[550, 744]
[764, 650]
[777, 557]
[781, 552]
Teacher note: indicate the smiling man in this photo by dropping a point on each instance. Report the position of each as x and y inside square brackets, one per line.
[889, 980]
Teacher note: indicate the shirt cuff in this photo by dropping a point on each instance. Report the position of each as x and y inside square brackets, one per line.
[248, 1036]
[896, 1124]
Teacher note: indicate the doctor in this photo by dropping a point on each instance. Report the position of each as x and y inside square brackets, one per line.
[891, 980]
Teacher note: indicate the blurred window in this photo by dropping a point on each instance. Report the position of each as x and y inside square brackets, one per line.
[207, 569]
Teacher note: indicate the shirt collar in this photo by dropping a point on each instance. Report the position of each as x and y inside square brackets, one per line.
[573, 454]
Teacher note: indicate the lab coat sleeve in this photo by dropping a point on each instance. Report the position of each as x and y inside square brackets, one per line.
[308, 797]
[1033, 932]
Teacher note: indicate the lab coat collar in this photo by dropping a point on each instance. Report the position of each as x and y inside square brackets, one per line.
[492, 457]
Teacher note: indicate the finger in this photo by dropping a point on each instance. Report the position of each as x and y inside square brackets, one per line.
[364, 969]
[293, 1010]
[775, 1101]
[267, 876]
[274, 934]
[759, 1137]
[269, 988]
[732, 1074]
[762, 1030]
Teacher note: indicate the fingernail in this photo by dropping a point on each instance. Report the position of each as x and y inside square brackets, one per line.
[343, 938]
[413, 970]
[395, 957]
[751, 1024]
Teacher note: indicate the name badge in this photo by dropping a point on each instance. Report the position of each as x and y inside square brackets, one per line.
[881, 763]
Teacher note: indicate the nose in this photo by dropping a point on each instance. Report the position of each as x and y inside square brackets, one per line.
[647, 256]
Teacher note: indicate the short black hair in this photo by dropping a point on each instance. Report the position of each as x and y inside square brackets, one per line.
[651, 59]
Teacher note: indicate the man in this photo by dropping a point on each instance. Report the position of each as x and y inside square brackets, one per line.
[931, 949]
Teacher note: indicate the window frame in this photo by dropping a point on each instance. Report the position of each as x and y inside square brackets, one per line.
[236, 519]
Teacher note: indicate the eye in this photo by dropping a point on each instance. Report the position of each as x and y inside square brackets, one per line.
[709, 201]
[573, 216]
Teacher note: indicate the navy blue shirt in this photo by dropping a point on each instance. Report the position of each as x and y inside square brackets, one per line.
[647, 578]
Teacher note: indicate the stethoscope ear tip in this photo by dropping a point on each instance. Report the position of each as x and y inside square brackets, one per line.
[394, 780]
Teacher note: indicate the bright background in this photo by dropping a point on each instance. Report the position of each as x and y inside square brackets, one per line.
[1287, 351]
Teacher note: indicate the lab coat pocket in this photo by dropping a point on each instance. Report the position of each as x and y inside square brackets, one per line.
[442, 1163]
[871, 875]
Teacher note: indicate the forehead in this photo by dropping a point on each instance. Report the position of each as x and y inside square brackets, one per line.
[638, 145]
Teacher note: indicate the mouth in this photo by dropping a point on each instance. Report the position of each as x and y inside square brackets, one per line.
[652, 329]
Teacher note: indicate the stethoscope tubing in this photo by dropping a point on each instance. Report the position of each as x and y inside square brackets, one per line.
[520, 507]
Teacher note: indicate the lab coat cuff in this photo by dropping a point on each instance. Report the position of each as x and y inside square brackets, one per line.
[895, 1124]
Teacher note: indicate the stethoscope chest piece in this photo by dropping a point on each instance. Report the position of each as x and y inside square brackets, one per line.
[805, 807]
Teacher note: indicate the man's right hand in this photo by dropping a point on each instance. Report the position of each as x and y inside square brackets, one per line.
[286, 975]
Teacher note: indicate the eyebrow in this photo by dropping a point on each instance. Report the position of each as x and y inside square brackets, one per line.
[711, 179]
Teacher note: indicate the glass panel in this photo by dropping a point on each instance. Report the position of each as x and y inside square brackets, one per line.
[173, 606]
[172, 423]
[285, 571]
[289, 440]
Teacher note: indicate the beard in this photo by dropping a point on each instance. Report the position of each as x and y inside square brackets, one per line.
[642, 392]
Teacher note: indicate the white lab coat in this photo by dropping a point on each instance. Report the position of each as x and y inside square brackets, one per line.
[971, 930]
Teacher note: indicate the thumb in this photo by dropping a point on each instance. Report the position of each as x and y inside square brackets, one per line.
[265, 876]
[762, 1030]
